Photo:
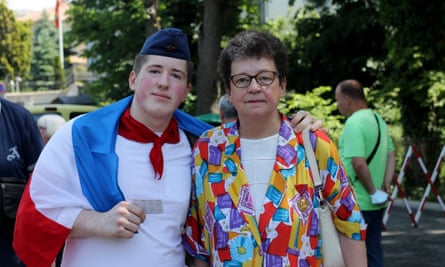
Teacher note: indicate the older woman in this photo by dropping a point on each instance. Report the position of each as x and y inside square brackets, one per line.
[254, 201]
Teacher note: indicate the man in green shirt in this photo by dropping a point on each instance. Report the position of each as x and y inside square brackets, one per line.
[367, 151]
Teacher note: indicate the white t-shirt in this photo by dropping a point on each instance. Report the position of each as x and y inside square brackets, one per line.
[258, 158]
[158, 241]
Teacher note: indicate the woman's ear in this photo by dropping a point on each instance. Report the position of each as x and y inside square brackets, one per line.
[283, 84]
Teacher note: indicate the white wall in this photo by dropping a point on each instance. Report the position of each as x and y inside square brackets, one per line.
[280, 8]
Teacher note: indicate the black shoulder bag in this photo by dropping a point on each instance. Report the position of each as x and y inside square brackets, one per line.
[371, 156]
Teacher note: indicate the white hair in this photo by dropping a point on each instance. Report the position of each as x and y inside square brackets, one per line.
[50, 122]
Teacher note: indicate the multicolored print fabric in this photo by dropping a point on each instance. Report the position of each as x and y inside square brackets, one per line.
[222, 227]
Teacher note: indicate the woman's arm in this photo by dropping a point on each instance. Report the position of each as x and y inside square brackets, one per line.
[354, 252]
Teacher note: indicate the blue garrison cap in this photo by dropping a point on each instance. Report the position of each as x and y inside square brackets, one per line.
[168, 42]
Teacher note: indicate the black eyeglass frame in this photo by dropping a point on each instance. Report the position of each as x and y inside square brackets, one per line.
[260, 82]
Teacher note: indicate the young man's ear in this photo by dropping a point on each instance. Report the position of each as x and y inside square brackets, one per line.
[187, 90]
[131, 79]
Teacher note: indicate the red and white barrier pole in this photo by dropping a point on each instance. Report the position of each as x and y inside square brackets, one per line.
[399, 190]
[430, 185]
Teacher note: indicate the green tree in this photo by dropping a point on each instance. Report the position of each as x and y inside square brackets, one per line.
[45, 66]
[319, 107]
[394, 47]
[415, 68]
[15, 45]
[114, 32]
[336, 43]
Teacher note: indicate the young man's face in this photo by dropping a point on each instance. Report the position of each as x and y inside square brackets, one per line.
[159, 88]
[256, 100]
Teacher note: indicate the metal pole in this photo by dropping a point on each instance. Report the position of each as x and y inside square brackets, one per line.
[59, 18]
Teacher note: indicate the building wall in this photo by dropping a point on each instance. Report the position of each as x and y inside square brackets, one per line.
[279, 8]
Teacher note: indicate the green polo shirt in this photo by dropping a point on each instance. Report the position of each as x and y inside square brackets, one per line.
[358, 139]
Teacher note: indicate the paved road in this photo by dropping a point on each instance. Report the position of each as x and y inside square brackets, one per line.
[406, 246]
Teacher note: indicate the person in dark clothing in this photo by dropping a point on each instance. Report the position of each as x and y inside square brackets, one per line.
[20, 146]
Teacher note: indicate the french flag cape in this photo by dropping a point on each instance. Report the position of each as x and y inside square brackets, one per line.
[38, 238]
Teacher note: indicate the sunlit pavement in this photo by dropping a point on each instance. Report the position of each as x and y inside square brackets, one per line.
[408, 246]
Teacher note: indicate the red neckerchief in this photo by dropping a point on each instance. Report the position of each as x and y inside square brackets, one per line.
[136, 131]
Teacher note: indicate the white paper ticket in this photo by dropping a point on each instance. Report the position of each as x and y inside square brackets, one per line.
[152, 206]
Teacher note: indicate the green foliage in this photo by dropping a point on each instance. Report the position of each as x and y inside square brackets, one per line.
[415, 67]
[46, 70]
[283, 28]
[190, 18]
[114, 33]
[189, 104]
[59, 73]
[248, 16]
[333, 45]
[416, 56]
[436, 94]
[15, 45]
[318, 106]
[395, 47]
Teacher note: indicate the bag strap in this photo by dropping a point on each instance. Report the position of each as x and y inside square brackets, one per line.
[310, 156]
[369, 159]
[371, 156]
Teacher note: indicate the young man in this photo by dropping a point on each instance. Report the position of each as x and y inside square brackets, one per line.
[254, 201]
[367, 150]
[114, 185]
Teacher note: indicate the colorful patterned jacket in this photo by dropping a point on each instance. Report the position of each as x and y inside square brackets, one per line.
[222, 227]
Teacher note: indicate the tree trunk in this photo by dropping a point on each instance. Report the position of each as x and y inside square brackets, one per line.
[208, 51]
[152, 23]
